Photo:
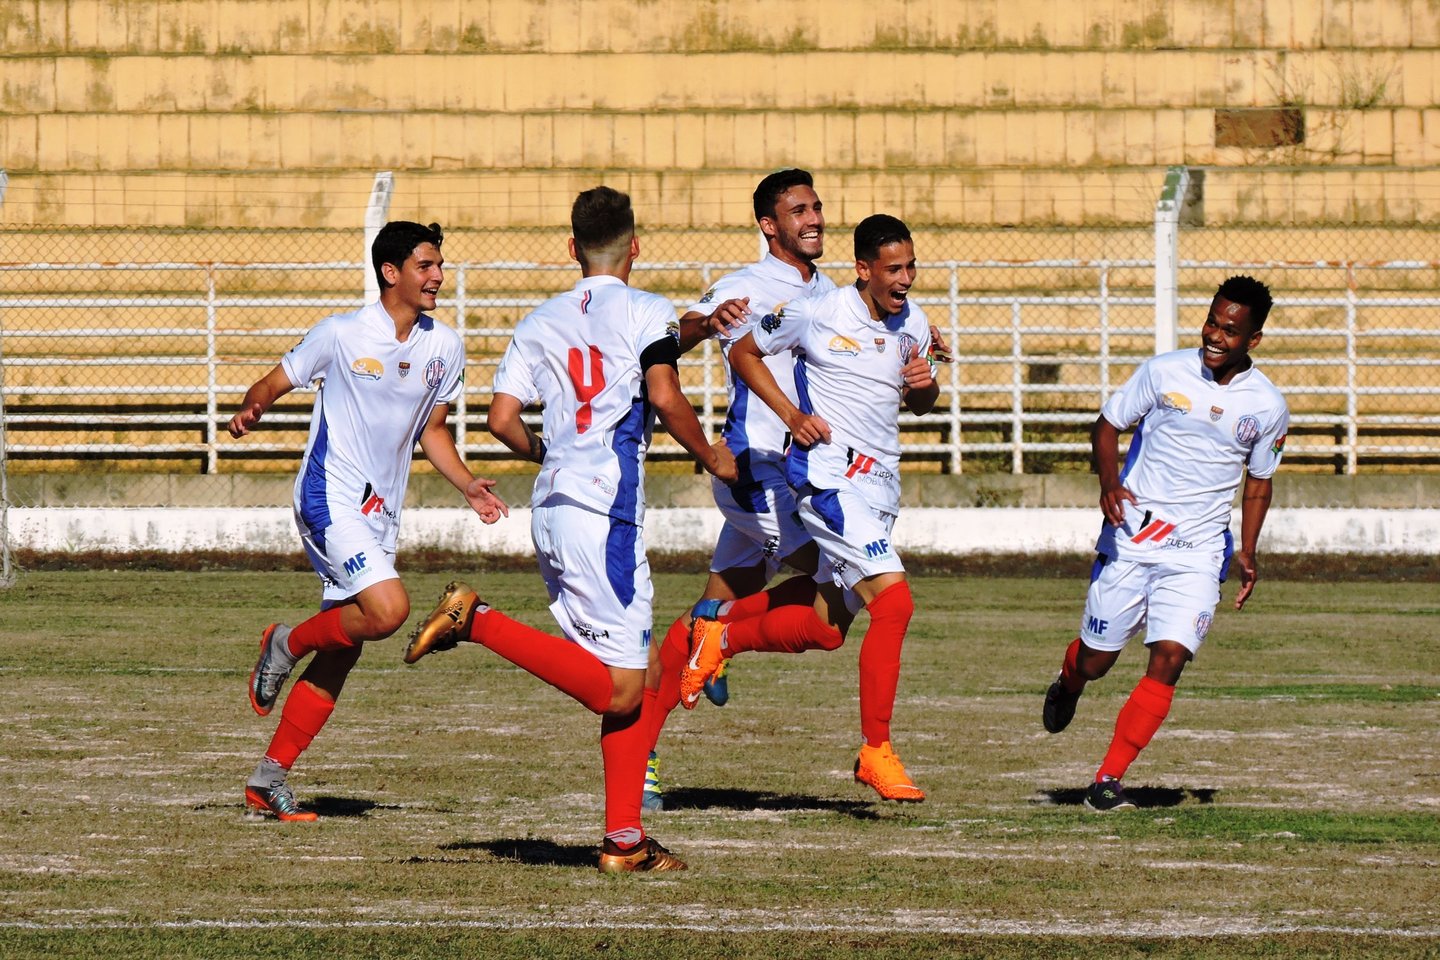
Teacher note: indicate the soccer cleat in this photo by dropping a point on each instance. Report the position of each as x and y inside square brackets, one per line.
[278, 799]
[272, 669]
[717, 688]
[448, 623]
[1106, 796]
[654, 796]
[705, 659]
[1059, 706]
[648, 856]
[880, 768]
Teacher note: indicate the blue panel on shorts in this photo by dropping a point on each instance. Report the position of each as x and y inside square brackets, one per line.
[620, 559]
[1229, 555]
[827, 504]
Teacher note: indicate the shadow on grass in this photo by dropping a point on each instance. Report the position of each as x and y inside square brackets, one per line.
[345, 806]
[702, 798]
[1144, 797]
[529, 850]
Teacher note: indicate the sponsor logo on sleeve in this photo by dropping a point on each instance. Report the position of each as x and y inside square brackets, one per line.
[1278, 447]
[771, 321]
[367, 368]
[709, 295]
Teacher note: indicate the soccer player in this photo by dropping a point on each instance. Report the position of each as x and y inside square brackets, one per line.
[389, 374]
[860, 353]
[1203, 418]
[602, 358]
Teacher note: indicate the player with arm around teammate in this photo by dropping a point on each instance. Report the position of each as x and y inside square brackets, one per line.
[1204, 420]
[859, 355]
[602, 359]
[389, 373]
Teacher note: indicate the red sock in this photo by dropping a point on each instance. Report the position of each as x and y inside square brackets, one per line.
[1141, 716]
[1070, 677]
[625, 747]
[674, 651]
[566, 666]
[796, 590]
[304, 713]
[890, 615]
[789, 629]
[320, 632]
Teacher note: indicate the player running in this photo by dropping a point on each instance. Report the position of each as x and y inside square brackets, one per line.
[1203, 419]
[388, 376]
[859, 354]
[602, 359]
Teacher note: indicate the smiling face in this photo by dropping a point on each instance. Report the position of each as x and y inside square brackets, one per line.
[796, 232]
[1227, 338]
[885, 282]
[416, 282]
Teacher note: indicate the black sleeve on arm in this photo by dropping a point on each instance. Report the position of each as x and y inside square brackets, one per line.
[665, 350]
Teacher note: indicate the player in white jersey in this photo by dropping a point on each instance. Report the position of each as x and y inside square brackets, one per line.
[388, 375]
[860, 353]
[602, 359]
[1204, 420]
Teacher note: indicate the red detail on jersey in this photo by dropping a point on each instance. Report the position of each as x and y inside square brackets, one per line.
[861, 464]
[586, 389]
[374, 503]
[1157, 531]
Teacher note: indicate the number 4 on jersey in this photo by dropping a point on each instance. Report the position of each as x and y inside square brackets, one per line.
[586, 387]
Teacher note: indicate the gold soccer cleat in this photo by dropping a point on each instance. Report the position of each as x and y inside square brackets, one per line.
[448, 623]
[648, 856]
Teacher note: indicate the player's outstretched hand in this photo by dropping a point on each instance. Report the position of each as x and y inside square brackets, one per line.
[1249, 573]
[725, 469]
[808, 430]
[244, 421]
[939, 349]
[730, 315]
[1112, 503]
[479, 494]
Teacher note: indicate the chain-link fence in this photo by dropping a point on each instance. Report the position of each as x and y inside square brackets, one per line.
[128, 350]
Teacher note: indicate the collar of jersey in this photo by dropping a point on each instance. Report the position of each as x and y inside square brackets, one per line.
[599, 280]
[781, 270]
[1209, 377]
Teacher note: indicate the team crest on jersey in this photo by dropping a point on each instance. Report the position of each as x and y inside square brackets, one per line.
[1176, 401]
[771, 321]
[1247, 428]
[880, 344]
[367, 368]
[404, 366]
[908, 347]
[1216, 413]
[844, 347]
[434, 372]
[1202, 625]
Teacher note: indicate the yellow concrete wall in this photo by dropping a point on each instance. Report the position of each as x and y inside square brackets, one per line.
[1023, 112]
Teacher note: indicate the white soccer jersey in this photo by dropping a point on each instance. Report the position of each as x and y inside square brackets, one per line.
[847, 371]
[752, 430]
[1188, 455]
[376, 396]
[579, 355]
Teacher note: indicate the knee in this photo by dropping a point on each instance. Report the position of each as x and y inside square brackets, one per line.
[382, 620]
[625, 702]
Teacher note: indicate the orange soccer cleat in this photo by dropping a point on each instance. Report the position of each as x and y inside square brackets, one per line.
[278, 799]
[706, 656]
[881, 768]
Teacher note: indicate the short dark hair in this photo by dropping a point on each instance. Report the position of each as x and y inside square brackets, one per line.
[875, 231]
[397, 240]
[1251, 293]
[767, 194]
[600, 218]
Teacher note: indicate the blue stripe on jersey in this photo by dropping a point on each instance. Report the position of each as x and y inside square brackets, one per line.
[620, 559]
[1133, 454]
[827, 504]
[314, 507]
[748, 495]
[797, 460]
[629, 433]
[1228, 555]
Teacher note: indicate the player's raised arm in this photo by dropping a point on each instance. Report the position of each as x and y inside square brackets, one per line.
[258, 399]
[749, 365]
[723, 320]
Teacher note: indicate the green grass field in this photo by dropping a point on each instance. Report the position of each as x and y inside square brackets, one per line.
[1291, 803]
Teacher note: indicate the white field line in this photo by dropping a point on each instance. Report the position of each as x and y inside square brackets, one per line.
[899, 922]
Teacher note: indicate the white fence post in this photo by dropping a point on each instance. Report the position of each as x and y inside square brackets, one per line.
[1167, 257]
[376, 213]
[7, 575]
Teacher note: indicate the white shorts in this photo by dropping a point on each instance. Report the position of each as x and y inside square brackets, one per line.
[348, 555]
[1167, 602]
[761, 521]
[854, 537]
[598, 579]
